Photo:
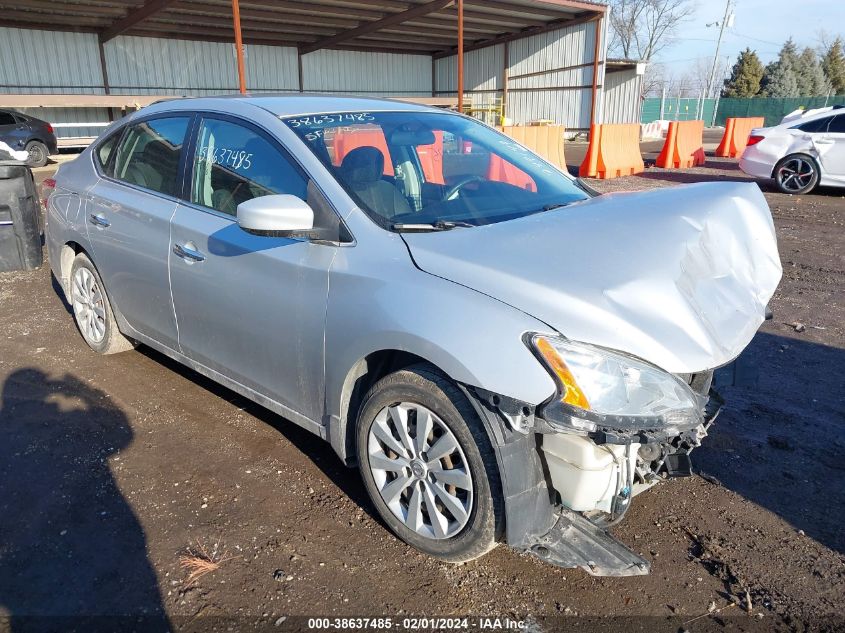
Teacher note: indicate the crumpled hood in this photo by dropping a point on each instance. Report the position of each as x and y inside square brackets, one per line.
[679, 277]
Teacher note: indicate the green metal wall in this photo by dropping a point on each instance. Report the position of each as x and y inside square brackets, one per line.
[650, 111]
[773, 110]
[676, 109]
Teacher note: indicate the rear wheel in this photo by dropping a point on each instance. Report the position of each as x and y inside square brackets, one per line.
[38, 154]
[92, 310]
[796, 174]
[428, 465]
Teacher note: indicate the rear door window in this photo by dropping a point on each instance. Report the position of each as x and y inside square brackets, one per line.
[819, 125]
[149, 153]
[234, 163]
[837, 125]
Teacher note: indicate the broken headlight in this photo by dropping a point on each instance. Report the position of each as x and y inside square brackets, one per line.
[603, 390]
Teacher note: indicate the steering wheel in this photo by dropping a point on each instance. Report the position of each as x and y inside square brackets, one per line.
[453, 191]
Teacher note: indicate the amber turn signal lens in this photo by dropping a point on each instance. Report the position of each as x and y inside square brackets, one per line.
[572, 392]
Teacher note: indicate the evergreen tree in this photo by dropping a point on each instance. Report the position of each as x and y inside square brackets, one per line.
[745, 76]
[789, 53]
[811, 79]
[780, 79]
[833, 64]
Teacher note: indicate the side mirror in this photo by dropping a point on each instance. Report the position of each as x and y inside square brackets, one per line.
[278, 215]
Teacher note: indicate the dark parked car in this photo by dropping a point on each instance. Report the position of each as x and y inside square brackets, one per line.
[23, 132]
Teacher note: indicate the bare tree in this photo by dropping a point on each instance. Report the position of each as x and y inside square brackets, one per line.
[654, 80]
[698, 73]
[659, 78]
[824, 39]
[641, 28]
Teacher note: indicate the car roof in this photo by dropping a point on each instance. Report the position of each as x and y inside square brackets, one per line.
[284, 105]
[795, 118]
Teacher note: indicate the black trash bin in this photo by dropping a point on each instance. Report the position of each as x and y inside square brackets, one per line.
[20, 228]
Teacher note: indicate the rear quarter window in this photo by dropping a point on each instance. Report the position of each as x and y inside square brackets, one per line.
[104, 152]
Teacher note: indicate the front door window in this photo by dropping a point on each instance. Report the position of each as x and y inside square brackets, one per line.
[233, 164]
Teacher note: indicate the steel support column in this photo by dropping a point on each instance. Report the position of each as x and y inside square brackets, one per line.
[460, 55]
[239, 45]
[595, 89]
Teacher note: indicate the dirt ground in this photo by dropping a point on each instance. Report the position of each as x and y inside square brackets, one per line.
[111, 468]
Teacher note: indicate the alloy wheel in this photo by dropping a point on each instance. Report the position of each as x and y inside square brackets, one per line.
[420, 470]
[88, 306]
[36, 154]
[795, 174]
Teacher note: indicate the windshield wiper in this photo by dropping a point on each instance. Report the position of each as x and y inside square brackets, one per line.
[548, 207]
[555, 205]
[440, 225]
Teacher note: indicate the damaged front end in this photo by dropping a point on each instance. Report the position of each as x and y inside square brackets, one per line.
[643, 295]
[567, 477]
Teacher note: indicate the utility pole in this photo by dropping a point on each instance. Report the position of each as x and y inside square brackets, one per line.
[718, 45]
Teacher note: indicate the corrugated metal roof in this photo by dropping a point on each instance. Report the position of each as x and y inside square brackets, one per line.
[284, 105]
[423, 26]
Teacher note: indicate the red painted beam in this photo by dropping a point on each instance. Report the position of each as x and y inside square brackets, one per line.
[369, 27]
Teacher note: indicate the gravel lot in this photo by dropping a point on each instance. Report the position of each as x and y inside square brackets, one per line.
[111, 468]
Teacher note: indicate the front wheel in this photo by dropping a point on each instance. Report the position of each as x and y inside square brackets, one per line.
[428, 465]
[796, 174]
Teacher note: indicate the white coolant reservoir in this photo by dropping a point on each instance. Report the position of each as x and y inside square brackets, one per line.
[585, 475]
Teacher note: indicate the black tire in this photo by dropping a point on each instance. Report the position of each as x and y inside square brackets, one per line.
[38, 154]
[424, 385]
[806, 168]
[112, 340]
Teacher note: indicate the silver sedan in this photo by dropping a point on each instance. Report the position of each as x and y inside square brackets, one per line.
[504, 355]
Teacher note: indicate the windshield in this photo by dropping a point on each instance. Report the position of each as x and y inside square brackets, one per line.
[427, 168]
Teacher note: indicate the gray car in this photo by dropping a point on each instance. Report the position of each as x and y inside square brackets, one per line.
[504, 355]
[22, 132]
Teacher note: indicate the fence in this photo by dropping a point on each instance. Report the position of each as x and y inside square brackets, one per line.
[773, 110]
[677, 109]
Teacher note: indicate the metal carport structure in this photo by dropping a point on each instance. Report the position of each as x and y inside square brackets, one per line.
[522, 61]
[435, 28]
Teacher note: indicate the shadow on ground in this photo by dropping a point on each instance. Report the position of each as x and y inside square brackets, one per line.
[70, 545]
[780, 442]
[313, 447]
[685, 177]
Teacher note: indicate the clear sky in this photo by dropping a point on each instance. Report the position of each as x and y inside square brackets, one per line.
[762, 25]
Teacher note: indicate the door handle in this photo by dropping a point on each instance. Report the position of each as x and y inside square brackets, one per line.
[188, 252]
[99, 220]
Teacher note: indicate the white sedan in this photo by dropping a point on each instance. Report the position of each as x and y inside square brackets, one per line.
[800, 153]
